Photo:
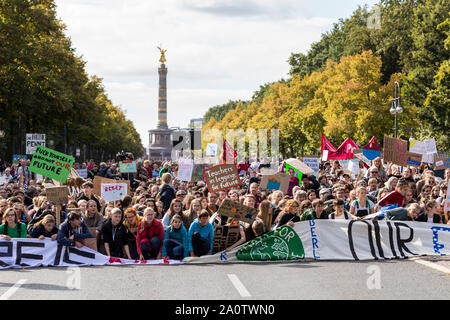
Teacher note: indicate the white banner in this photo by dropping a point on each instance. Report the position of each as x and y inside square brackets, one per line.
[22, 253]
[357, 240]
[313, 163]
[113, 191]
[447, 199]
[315, 239]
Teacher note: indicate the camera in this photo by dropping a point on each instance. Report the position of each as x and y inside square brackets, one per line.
[122, 156]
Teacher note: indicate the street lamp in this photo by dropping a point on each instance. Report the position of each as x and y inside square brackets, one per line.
[396, 106]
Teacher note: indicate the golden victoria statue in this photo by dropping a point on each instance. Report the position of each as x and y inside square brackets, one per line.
[163, 57]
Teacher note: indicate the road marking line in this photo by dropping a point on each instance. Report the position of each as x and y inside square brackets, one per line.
[239, 286]
[434, 266]
[8, 294]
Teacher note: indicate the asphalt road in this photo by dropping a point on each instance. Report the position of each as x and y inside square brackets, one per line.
[316, 280]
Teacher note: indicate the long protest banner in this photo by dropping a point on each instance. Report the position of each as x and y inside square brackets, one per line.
[51, 164]
[315, 239]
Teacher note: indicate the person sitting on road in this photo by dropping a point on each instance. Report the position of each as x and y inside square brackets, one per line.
[45, 228]
[150, 236]
[175, 245]
[200, 236]
[73, 231]
[12, 227]
[114, 235]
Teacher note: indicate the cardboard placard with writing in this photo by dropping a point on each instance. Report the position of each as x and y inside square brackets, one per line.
[98, 184]
[57, 194]
[442, 160]
[51, 164]
[224, 237]
[395, 151]
[221, 177]
[113, 191]
[413, 159]
[238, 211]
[278, 181]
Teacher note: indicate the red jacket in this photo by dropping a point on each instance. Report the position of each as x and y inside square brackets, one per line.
[156, 229]
[392, 198]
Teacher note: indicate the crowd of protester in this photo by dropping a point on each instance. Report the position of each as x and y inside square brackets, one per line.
[163, 217]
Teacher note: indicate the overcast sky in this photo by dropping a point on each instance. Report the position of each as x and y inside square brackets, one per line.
[217, 50]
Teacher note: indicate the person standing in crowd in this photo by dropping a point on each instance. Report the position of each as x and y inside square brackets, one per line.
[148, 168]
[150, 236]
[12, 227]
[176, 208]
[192, 213]
[362, 206]
[165, 169]
[73, 231]
[166, 192]
[293, 181]
[114, 236]
[175, 244]
[316, 212]
[254, 191]
[200, 236]
[266, 214]
[340, 212]
[112, 172]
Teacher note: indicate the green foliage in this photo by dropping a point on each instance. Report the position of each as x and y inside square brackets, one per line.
[44, 87]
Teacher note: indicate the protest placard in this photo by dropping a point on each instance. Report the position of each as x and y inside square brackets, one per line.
[83, 173]
[127, 166]
[413, 159]
[113, 191]
[313, 163]
[224, 237]
[426, 148]
[185, 168]
[51, 164]
[99, 180]
[17, 157]
[57, 195]
[277, 181]
[238, 211]
[33, 140]
[395, 151]
[197, 172]
[221, 177]
[442, 160]
[211, 149]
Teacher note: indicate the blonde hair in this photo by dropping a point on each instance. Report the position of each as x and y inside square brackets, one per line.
[166, 179]
[265, 213]
[47, 219]
[142, 223]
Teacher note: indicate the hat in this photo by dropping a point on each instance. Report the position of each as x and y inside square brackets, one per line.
[181, 193]
[324, 190]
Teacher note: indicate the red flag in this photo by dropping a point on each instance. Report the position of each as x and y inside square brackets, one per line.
[228, 153]
[326, 145]
[372, 145]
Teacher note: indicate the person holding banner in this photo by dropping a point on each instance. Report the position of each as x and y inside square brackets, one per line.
[12, 227]
[362, 206]
[73, 231]
[150, 236]
[45, 228]
[289, 214]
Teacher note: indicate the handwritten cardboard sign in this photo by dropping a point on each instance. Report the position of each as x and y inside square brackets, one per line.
[98, 181]
[224, 237]
[57, 194]
[238, 211]
[278, 181]
[413, 159]
[442, 160]
[395, 151]
[222, 177]
[113, 191]
[185, 168]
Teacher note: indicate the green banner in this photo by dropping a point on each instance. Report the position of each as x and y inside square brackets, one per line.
[299, 173]
[280, 244]
[51, 164]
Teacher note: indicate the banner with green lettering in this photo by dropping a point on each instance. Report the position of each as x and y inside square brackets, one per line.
[51, 164]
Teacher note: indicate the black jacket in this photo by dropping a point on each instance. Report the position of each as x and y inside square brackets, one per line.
[166, 195]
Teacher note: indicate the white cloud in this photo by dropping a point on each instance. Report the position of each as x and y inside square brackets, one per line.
[218, 50]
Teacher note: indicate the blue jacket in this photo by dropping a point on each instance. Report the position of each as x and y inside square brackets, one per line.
[206, 234]
[65, 231]
[180, 237]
